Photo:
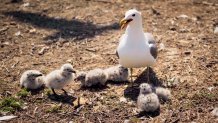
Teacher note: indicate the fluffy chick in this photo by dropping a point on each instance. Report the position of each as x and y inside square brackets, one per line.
[32, 79]
[147, 100]
[92, 77]
[57, 79]
[163, 93]
[117, 73]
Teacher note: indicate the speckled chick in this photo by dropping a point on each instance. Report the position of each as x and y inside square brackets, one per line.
[57, 79]
[117, 73]
[163, 93]
[32, 79]
[92, 77]
[147, 100]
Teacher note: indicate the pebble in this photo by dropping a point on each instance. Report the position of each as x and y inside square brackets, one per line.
[216, 30]
[215, 112]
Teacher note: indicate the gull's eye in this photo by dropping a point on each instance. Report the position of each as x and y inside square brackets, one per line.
[133, 15]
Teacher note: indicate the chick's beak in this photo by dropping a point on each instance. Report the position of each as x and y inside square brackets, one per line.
[124, 22]
[72, 71]
[38, 75]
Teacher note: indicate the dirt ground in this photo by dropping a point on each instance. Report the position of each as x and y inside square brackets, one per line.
[45, 34]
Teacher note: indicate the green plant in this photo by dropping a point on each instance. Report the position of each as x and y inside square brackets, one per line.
[47, 91]
[10, 104]
[23, 93]
[54, 109]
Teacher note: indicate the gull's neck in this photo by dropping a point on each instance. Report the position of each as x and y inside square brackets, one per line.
[136, 30]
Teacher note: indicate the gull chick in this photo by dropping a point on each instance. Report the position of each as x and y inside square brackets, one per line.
[117, 73]
[57, 79]
[163, 93]
[147, 100]
[92, 77]
[32, 79]
[136, 49]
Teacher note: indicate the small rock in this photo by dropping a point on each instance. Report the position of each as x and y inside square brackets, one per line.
[216, 30]
[6, 43]
[26, 4]
[173, 82]
[17, 33]
[32, 31]
[215, 112]
[126, 121]
[42, 51]
[210, 88]
[70, 61]
[162, 46]
[182, 16]
[123, 99]
[183, 30]
[25, 107]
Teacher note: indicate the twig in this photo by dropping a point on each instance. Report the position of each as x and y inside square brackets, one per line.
[14, 65]
[103, 1]
[99, 120]
[3, 65]
[91, 50]
[34, 112]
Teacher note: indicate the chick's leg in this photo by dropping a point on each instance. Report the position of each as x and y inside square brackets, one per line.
[65, 92]
[131, 71]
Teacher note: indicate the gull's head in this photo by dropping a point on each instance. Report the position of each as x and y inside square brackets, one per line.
[67, 68]
[81, 76]
[145, 88]
[33, 74]
[132, 17]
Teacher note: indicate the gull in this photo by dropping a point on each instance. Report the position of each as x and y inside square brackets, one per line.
[136, 49]
[147, 100]
[32, 79]
[92, 77]
[57, 79]
[117, 73]
[163, 93]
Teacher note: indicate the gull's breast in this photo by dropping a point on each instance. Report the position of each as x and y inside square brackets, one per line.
[135, 56]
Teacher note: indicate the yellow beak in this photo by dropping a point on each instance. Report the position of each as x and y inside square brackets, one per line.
[124, 22]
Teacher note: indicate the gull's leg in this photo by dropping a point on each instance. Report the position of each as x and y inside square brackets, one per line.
[148, 77]
[54, 92]
[65, 92]
[131, 71]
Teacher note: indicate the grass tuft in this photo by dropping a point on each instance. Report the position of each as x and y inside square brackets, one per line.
[47, 91]
[23, 93]
[10, 104]
[54, 109]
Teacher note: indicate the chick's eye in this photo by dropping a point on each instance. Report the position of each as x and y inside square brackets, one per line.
[133, 15]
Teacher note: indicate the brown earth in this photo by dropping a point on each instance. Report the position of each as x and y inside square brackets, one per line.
[86, 34]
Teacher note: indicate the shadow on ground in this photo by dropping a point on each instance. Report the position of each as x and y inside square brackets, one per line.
[132, 92]
[68, 99]
[94, 88]
[148, 114]
[66, 28]
[36, 91]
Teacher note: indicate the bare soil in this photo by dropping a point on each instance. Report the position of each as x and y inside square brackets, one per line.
[86, 34]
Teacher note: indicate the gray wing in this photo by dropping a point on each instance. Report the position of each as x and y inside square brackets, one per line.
[152, 44]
